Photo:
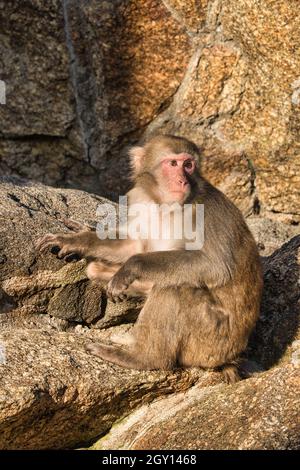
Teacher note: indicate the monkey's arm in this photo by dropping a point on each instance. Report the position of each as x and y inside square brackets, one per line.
[87, 245]
[171, 268]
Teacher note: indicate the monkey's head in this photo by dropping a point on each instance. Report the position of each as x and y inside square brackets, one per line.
[172, 162]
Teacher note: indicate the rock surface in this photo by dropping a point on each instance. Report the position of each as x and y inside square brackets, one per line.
[85, 79]
[50, 387]
[258, 413]
[88, 65]
[270, 234]
[278, 328]
[41, 283]
[53, 394]
[240, 101]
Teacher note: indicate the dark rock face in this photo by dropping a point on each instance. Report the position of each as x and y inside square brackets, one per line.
[76, 74]
[86, 79]
[39, 134]
[278, 328]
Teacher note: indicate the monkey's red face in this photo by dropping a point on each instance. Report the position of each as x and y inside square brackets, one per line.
[176, 168]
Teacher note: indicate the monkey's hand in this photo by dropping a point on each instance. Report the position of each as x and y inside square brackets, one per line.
[63, 245]
[116, 288]
[120, 282]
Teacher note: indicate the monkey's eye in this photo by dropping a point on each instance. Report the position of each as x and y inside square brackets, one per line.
[188, 164]
[173, 163]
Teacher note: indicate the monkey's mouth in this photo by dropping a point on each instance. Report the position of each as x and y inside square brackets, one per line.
[181, 188]
[180, 194]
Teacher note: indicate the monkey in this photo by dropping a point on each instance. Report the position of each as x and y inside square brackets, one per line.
[200, 304]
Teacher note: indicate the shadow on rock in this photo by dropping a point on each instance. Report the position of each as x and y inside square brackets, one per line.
[279, 322]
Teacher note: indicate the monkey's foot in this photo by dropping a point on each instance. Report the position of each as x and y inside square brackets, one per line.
[108, 353]
[97, 349]
[115, 354]
[60, 245]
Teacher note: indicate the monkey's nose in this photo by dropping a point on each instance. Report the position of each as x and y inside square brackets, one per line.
[182, 182]
[182, 179]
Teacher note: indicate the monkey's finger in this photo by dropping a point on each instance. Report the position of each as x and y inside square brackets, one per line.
[118, 298]
[47, 245]
[72, 257]
[74, 225]
[122, 297]
[39, 243]
[45, 242]
[114, 297]
[95, 349]
[55, 249]
[63, 252]
[91, 348]
[109, 290]
[110, 297]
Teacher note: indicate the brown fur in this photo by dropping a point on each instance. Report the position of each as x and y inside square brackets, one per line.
[201, 305]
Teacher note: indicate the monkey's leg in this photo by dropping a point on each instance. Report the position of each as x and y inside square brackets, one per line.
[138, 288]
[98, 270]
[155, 337]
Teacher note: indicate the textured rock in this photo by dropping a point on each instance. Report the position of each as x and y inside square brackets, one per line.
[37, 77]
[50, 387]
[267, 125]
[240, 101]
[277, 333]
[271, 234]
[223, 73]
[41, 283]
[39, 133]
[278, 328]
[50, 312]
[88, 65]
[258, 413]
[190, 13]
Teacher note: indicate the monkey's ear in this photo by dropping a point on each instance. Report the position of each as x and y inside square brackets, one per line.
[137, 156]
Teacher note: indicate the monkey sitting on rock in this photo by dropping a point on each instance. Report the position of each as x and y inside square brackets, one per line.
[201, 304]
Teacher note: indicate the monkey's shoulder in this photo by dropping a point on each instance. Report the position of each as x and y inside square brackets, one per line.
[140, 195]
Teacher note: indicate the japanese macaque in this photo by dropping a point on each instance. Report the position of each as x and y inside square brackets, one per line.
[201, 305]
